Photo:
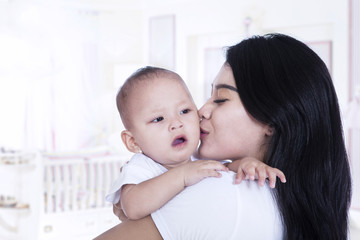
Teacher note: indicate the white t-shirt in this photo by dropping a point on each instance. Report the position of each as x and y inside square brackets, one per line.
[217, 209]
[213, 209]
[140, 168]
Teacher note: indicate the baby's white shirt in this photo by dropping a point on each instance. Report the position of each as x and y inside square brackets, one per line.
[140, 168]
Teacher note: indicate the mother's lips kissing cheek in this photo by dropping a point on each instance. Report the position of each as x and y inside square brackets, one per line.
[203, 133]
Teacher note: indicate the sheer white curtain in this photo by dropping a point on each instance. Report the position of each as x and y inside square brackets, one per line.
[49, 78]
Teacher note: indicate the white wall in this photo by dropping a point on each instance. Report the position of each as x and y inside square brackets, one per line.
[118, 33]
[220, 23]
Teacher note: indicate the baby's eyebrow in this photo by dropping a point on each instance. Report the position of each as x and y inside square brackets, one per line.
[219, 86]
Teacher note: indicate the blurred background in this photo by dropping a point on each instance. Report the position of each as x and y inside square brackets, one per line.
[62, 62]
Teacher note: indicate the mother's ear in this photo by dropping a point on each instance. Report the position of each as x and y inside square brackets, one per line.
[129, 141]
[269, 131]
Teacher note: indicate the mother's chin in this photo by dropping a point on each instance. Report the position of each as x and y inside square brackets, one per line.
[199, 153]
[207, 152]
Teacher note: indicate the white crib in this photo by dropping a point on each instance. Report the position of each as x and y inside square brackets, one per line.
[63, 196]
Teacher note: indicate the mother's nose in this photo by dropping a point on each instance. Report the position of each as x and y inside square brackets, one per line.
[205, 112]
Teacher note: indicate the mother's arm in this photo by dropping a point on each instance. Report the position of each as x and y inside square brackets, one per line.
[132, 230]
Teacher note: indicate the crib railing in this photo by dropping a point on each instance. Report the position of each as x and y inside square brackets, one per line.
[76, 184]
[57, 196]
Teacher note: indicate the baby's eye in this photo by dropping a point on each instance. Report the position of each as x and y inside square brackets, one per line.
[158, 119]
[185, 111]
[220, 100]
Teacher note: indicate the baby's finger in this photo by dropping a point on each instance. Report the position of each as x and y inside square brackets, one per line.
[239, 176]
[250, 173]
[262, 175]
[279, 174]
[218, 166]
[272, 179]
[210, 173]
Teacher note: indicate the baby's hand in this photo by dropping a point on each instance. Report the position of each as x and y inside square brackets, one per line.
[252, 168]
[196, 171]
[117, 210]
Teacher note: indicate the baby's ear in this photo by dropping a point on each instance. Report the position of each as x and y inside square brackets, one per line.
[129, 141]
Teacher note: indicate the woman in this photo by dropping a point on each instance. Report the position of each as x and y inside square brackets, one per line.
[274, 100]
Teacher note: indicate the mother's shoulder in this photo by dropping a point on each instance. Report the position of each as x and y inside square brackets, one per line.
[218, 200]
[225, 185]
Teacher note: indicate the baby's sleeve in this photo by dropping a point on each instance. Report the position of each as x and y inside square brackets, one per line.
[133, 172]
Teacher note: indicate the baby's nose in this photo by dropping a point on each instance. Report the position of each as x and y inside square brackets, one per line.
[176, 124]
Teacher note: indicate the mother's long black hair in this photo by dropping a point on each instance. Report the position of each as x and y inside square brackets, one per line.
[283, 83]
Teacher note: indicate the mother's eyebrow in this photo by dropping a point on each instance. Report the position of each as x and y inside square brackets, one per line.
[219, 86]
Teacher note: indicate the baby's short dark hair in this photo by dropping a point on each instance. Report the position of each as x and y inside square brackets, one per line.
[142, 75]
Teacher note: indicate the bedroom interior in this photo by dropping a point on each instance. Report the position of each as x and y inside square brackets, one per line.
[62, 62]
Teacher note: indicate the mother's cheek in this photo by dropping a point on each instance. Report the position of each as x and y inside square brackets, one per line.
[210, 150]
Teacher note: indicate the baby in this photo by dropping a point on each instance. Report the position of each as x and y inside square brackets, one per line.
[162, 128]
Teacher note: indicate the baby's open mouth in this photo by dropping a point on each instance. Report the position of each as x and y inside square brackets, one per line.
[178, 140]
